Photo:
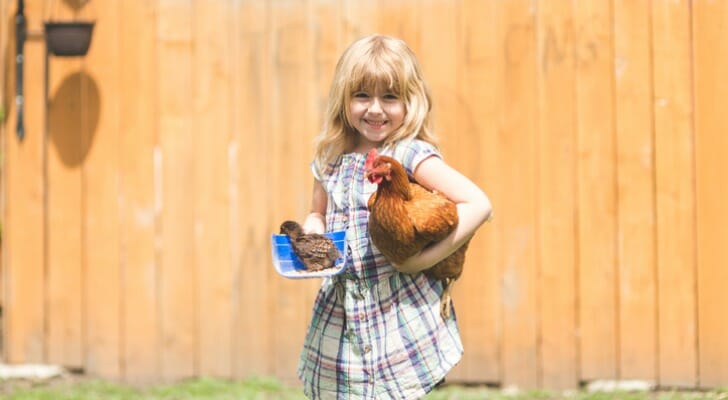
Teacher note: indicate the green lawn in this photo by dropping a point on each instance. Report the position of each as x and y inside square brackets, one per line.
[264, 389]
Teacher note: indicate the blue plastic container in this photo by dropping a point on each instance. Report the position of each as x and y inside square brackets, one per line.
[289, 265]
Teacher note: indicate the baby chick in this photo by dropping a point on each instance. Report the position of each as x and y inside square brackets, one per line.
[315, 251]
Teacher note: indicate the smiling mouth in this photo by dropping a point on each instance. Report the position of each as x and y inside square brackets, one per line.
[376, 123]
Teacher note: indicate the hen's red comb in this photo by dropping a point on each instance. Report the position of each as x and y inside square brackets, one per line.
[370, 158]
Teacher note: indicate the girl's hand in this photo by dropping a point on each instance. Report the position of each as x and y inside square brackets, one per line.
[428, 257]
[315, 223]
[409, 266]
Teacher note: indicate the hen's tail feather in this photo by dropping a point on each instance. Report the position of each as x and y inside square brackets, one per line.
[445, 298]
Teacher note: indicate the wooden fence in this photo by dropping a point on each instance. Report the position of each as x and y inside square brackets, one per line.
[138, 209]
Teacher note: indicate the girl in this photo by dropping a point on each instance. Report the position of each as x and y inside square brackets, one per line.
[376, 330]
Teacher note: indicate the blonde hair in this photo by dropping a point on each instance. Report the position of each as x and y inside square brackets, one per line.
[368, 62]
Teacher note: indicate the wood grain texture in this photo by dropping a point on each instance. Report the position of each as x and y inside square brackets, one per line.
[710, 59]
[637, 286]
[250, 160]
[556, 182]
[140, 183]
[596, 192]
[179, 294]
[472, 149]
[102, 214]
[292, 89]
[674, 194]
[516, 138]
[24, 223]
[65, 158]
[212, 70]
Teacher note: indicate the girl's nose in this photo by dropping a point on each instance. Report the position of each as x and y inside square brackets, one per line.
[375, 106]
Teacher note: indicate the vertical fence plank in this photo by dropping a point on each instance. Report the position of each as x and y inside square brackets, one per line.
[65, 157]
[64, 183]
[596, 195]
[635, 192]
[237, 63]
[101, 239]
[5, 15]
[140, 317]
[178, 270]
[557, 195]
[290, 180]
[325, 43]
[285, 27]
[439, 57]
[401, 19]
[516, 214]
[359, 19]
[674, 191]
[316, 72]
[5, 12]
[253, 129]
[474, 136]
[24, 242]
[329, 44]
[710, 58]
[212, 74]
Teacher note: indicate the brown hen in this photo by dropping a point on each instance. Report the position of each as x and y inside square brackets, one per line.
[404, 218]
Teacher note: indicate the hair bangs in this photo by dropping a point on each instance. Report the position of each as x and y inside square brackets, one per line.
[375, 72]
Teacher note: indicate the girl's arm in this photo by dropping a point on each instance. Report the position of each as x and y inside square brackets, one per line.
[316, 221]
[473, 207]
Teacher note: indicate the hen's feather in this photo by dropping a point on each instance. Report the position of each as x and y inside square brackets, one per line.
[402, 228]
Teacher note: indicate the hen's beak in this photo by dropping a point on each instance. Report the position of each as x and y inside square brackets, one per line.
[368, 174]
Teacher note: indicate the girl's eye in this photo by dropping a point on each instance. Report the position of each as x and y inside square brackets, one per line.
[361, 95]
[390, 96]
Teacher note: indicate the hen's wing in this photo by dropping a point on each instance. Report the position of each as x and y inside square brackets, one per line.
[451, 267]
[391, 229]
[372, 200]
[432, 214]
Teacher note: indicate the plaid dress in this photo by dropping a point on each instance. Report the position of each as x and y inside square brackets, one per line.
[375, 333]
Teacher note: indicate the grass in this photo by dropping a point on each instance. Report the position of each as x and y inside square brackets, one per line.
[198, 389]
[464, 393]
[271, 389]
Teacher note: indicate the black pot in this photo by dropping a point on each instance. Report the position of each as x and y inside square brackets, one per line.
[68, 38]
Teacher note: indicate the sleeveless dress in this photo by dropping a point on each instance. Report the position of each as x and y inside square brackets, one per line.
[375, 333]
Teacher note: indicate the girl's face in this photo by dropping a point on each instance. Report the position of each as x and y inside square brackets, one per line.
[375, 115]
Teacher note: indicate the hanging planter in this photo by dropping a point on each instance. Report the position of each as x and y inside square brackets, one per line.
[68, 38]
